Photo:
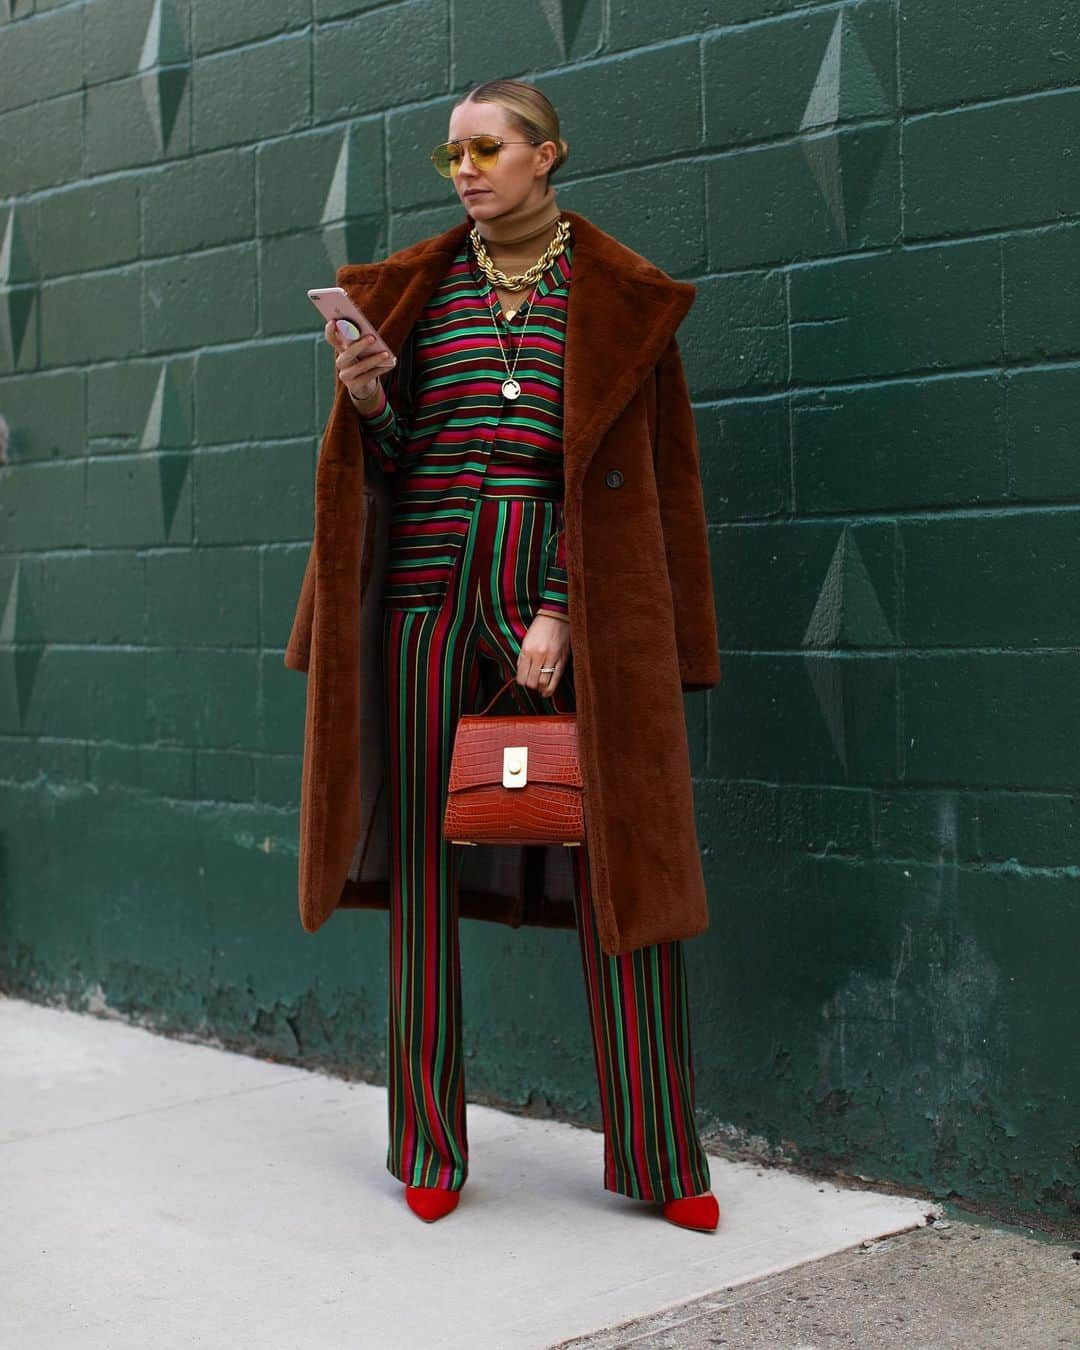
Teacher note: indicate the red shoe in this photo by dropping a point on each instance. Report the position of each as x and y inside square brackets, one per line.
[431, 1202]
[694, 1211]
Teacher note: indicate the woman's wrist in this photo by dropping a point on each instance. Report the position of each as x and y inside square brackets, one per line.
[372, 406]
[555, 614]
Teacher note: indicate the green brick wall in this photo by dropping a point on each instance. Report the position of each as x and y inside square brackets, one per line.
[880, 205]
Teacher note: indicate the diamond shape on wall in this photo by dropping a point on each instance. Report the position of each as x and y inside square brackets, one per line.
[847, 614]
[349, 233]
[163, 63]
[16, 301]
[166, 421]
[564, 19]
[846, 85]
[17, 627]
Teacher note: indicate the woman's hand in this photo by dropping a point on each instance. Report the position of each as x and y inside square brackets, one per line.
[357, 368]
[547, 643]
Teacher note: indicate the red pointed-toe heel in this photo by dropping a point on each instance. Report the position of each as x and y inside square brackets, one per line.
[431, 1202]
[701, 1212]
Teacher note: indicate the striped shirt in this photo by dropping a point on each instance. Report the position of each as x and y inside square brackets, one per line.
[449, 435]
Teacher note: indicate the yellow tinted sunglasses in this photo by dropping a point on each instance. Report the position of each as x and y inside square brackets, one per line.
[483, 150]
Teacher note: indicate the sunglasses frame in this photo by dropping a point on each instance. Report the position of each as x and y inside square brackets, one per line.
[479, 136]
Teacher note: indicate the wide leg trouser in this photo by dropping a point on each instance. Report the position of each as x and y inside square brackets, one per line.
[637, 1002]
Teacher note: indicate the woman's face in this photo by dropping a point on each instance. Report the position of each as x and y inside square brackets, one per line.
[518, 173]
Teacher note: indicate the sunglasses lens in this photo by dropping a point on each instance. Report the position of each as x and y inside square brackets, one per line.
[484, 151]
[446, 158]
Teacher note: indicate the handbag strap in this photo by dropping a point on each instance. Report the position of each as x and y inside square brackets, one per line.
[499, 693]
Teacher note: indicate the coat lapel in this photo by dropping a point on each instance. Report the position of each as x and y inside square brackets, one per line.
[622, 312]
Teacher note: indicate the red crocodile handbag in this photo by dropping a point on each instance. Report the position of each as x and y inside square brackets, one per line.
[515, 779]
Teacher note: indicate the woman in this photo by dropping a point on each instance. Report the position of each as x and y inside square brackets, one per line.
[480, 585]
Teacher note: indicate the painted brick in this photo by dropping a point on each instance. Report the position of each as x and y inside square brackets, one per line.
[374, 43]
[281, 574]
[41, 59]
[178, 582]
[630, 133]
[1041, 293]
[89, 693]
[735, 336]
[252, 94]
[43, 145]
[660, 213]
[417, 225]
[189, 302]
[1027, 562]
[540, 37]
[772, 580]
[46, 412]
[633, 24]
[280, 373]
[1034, 828]
[1006, 720]
[983, 168]
[950, 314]
[93, 317]
[42, 506]
[838, 64]
[224, 776]
[126, 506]
[828, 194]
[96, 598]
[124, 127]
[215, 26]
[1043, 414]
[121, 405]
[254, 494]
[770, 724]
[339, 9]
[411, 135]
[288, 265]
[202, 698]
[977, 49]
[744, 447]
[89, 226]
[295, 176]
[198, 203]
[899, 445]
[277, 780]
[165, 771]
[281, 707]
[114, 35]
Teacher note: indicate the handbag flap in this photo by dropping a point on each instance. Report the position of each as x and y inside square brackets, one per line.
[477, 759]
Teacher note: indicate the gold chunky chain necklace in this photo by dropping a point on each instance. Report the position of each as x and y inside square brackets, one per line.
[522, 279]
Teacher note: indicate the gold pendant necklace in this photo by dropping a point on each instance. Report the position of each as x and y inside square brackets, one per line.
[511, 389]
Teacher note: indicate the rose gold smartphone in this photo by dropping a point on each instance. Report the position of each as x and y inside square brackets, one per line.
[333, 303]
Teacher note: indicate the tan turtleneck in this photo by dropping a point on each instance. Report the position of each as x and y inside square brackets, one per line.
[515, 241]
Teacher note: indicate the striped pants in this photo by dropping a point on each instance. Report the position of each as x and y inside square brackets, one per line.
[637, 1002]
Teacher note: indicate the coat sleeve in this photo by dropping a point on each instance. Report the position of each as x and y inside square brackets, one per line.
[385, 438]
[677, 464]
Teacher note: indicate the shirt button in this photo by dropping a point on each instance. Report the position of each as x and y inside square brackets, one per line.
[613, 478]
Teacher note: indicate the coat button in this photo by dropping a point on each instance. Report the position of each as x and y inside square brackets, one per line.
[613, 478]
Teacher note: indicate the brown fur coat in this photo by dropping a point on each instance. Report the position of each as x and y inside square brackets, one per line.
[642, 619]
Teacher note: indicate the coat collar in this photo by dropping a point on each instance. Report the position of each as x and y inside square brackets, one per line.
[622, 312]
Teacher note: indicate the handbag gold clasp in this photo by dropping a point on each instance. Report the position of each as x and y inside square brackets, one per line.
[515, 765]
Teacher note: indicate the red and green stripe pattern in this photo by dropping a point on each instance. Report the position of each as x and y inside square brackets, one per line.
[438, 663]
[448, 434]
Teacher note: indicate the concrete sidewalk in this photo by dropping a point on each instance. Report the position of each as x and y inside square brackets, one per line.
[158, 1192]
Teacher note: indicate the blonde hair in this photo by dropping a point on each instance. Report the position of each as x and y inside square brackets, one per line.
[532, 112]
